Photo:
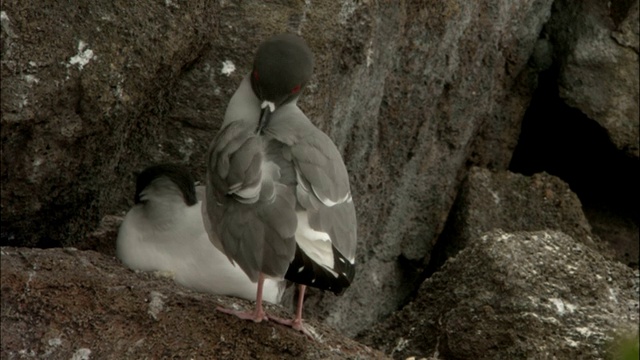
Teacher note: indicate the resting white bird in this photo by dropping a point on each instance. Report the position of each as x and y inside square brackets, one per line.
[164, 232]
[278, 196]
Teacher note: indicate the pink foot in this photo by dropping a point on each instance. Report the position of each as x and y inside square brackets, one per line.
[295, 324]
[256, 316]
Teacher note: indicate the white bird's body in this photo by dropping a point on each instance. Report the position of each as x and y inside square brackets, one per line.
[163, 233]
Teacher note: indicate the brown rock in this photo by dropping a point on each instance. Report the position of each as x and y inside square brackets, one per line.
[597, 46]
[83, 104]
[64, 303]
[521, 295]
[512, 202]
[403, 90]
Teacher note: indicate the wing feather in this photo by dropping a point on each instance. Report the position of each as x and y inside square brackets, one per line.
[251, 217]
[323, 190]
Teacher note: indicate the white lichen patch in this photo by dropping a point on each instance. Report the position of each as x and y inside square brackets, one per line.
[375, 279]
[156, 304]
[169, 3]
[613, 296]
[6, 24]
[54, 342]
[228, 67]
[30, 79]
[370, 54]
[400, 345]
[186, 149]
[496, 197]
[584, 331]
[81, 354]
[314, 334]
[560, 309]
[83, 56]
[347, 9]
[32, 274]
[570, 307]
[571, 343]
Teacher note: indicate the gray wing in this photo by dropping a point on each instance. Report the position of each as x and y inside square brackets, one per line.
[323, 190]
[252, 215]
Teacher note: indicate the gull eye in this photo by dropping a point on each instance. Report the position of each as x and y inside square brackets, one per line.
[256, 77]
[296, 89]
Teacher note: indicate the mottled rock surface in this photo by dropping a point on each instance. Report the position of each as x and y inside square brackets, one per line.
[596, 44]
[512, 202]
[66, 303]
[520, 295]
[83, 105]
[411, 94]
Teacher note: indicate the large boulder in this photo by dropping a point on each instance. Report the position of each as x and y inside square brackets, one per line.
[71, 304]
[84, 90]
[512, 202]
[519, 295]
[410, 94]
[597, 46]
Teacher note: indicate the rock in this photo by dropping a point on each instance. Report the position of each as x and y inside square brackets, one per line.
[408, 132]
[596, 44]
[512, 202]
[517, 295]
[66, 303]
[564, 142]
[84, 105]
[410, 94]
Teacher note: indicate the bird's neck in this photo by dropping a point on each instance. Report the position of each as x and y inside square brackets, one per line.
[244, 104]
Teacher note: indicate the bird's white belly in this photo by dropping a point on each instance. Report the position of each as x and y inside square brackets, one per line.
[189, 256]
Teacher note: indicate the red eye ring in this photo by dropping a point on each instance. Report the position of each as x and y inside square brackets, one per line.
[296, 89]
[256, 77]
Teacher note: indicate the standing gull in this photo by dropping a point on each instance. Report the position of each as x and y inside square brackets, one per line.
[278, 198]
[164, 231]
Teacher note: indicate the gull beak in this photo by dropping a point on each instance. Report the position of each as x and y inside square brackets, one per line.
[268, 108]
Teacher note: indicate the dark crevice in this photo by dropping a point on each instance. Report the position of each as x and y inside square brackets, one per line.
[564, 142]
[619, 10]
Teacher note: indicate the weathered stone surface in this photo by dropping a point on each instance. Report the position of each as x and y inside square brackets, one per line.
[65, 303]
[521, 295]
[512, 202]
[83, 104]
[403, 90]
[451, 74]
[563, 141]
[596, 44]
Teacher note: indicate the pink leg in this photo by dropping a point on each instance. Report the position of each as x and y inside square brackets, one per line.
[258, 314]
[296, 323]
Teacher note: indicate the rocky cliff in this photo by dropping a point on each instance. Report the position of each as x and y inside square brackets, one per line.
[415, 94]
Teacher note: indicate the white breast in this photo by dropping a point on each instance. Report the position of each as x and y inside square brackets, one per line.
[182, 248]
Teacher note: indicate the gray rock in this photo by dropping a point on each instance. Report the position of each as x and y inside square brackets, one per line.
[66, 303]
[512, 202]
[84, 90]
[410, 94]
[596, 44]
[447, 82]
[519, 295]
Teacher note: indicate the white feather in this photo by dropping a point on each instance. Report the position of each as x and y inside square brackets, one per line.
[316, 244]
[166, 235]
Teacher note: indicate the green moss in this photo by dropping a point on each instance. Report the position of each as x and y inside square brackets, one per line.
[625, 348]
